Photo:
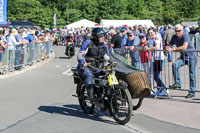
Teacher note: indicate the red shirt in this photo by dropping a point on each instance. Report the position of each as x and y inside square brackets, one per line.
[144, 55]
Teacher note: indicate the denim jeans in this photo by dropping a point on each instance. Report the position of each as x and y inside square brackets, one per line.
[88, 75]
[192, 72]
[157, 78]
[170, 56]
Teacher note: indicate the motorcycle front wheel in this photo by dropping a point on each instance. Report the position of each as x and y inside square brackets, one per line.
[84, 102]
[121, 103]
[69, 53]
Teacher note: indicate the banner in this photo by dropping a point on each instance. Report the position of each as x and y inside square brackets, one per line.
[3, 11]
[54, 19]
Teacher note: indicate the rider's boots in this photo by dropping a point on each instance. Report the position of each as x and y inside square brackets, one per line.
[90, 92]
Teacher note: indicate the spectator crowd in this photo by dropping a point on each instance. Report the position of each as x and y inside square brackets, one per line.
[146, 47]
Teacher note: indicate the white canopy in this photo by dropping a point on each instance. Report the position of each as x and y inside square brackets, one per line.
[117, 23]
[81, 23]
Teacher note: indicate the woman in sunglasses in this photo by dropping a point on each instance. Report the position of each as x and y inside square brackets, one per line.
[145, 55]
[155, 45]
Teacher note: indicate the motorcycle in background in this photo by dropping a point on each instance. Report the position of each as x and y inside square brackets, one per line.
[70, 50]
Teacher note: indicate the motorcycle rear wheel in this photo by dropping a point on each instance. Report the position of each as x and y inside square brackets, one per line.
[121, 103]
[84, 102]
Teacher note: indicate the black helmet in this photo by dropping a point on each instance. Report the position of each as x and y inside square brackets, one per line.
[97, 32]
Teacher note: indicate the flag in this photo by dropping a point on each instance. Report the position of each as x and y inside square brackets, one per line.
[3, 11]
[54, 19]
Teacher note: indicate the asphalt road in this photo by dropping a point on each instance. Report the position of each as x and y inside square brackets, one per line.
[42, 100]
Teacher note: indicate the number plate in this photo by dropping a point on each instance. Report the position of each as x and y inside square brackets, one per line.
[112, 79]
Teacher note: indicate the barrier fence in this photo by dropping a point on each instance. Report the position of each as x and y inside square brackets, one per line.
[166, 74]
[22, 56]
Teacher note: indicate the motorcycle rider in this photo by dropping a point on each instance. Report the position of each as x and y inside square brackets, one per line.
[69, 38]
[93, 52]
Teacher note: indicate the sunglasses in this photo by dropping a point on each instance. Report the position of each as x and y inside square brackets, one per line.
[141, 37]
[177, 30]
[129, 35]
[100, 36]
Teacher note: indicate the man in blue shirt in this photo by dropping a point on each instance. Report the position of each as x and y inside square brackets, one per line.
[183, 44]
[30, 37]
[133, 42]
[123, 30]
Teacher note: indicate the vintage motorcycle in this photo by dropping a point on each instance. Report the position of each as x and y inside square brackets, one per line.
[110, 94]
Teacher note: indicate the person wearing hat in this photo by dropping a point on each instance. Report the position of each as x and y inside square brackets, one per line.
[11, 42]
[145, 55]
[131, 44]
[116, 39]
[30, 37]
[124, 37]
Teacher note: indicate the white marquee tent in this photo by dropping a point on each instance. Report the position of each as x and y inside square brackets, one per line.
[81, 23]
[117, 23]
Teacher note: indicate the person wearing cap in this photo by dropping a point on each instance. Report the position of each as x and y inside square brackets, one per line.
[124, 37]
[145, 55]
[131, 44]
[116, 39]
[30, 37]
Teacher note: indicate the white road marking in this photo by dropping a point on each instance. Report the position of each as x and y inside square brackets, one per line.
[57, 65]
[68, 66]
[67, 71]
[70, 74]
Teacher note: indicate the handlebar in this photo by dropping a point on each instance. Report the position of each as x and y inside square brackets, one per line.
[105, 68]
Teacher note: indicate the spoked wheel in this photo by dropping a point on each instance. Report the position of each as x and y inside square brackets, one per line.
[121, 103]
[84, 102]
[137, 103]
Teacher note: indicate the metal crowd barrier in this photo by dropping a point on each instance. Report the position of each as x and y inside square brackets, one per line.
[22, 56]
[166, 73]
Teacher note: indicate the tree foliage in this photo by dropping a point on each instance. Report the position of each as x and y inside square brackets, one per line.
[41, 12]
